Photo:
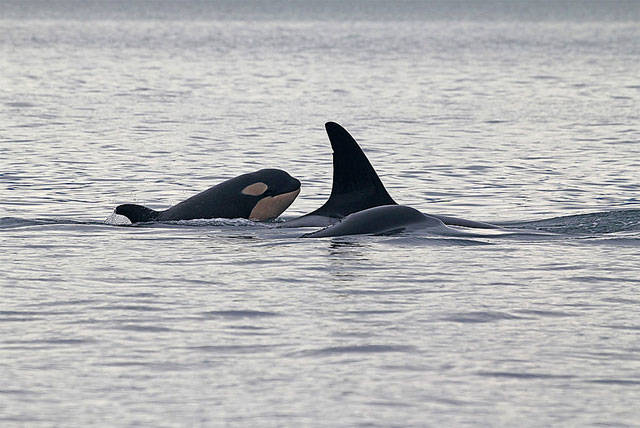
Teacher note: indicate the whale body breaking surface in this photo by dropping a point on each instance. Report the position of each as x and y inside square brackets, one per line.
[359, 204]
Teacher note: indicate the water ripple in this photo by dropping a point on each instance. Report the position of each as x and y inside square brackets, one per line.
[481, 317]
[357, 349]
[523, 375]
[238, 314]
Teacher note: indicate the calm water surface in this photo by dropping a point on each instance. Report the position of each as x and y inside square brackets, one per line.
[517, 115]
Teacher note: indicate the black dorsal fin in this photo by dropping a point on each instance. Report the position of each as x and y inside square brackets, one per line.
[356, 185]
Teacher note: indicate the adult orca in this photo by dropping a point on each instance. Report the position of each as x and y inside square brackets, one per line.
[260, 195]
[357, 187]
[392, 219]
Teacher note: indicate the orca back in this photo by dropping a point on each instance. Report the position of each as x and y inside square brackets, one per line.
[381, 220]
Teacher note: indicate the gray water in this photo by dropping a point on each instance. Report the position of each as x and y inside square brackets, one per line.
[524, 113]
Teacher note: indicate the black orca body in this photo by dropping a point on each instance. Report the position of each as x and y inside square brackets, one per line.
[260, 195]
[356, 185]
[382, 220]
[392, 219]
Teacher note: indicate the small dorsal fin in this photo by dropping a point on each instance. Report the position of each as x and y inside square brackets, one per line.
[356, 185]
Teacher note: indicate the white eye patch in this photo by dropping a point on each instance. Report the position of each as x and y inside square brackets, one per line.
[255, 189]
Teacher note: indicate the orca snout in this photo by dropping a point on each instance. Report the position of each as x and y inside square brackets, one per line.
[279, 182]
[281, 190]
[294, 184]
[289, 183]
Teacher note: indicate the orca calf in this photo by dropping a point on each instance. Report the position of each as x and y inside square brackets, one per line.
[260, 195]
